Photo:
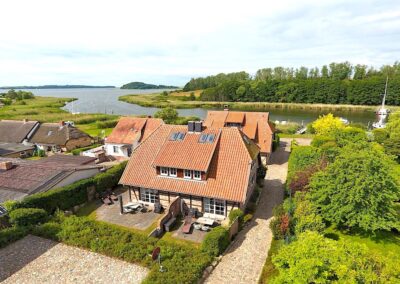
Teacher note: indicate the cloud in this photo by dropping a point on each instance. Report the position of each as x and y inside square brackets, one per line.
[167, 42]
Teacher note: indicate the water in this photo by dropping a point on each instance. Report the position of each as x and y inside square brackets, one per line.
[99, 100]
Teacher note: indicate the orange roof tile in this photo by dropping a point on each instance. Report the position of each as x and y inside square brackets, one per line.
[235, 117]
[132, 129]
[228, 173]
[255, 125]
[197, 156]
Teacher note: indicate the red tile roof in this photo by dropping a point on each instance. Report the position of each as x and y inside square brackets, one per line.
[197, 155]
[228, 172]
[255, 125]
[133, 129]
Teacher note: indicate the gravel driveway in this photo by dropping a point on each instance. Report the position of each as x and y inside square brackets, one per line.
[244, 260]
[37, 260]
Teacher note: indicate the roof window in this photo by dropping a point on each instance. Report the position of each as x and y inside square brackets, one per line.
[207, 138]
[177, 136]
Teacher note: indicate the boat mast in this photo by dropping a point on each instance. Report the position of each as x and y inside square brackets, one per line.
[384, 96]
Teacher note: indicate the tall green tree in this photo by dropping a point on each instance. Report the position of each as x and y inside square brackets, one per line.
[358, 189]
[315, 259]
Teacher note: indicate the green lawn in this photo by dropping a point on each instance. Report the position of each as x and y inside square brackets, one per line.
[381, 242]
[48, 109]
[269, 271]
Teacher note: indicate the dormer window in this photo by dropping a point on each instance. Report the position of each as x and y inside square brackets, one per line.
[197, 175]
[187, 174]
[164, 171]
[172, 172]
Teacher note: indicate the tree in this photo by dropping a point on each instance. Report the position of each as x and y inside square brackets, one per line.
[315, 259]
[380, 135]
[168, 114]
[327, 125]
[358, 189]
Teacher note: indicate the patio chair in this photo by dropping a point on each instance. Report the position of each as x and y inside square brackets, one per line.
[107, 200]
[187, 225]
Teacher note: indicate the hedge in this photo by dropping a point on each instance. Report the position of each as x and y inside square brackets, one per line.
[182, 263]
[28, 216]
[66, 197]
[12, 234]
[78, 151]
[216, 241]
[110, 178]
[236, 213]
[60, 198]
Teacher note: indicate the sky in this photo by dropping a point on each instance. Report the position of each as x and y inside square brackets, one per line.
[169, 42]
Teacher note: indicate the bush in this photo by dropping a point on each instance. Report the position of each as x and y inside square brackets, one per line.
[216, 241]
[236, 213]
[182, 263]
[261, 172]
[78, 151]
[62, 198]
[28, 216]
[275, 142]
[320, 140]
[10, 235]
[380, 135]
[110, 178]
[106, 124]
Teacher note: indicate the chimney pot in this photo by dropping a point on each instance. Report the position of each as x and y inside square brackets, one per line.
[191, 126]
[198, 126]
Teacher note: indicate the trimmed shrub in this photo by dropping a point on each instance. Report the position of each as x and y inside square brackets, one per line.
[183, 263]
[62, 198]
[216, 241]
[106, 124]
[320, 140]
[12, 234]
[28, 216]
[236, 213]
[110, 178]
[78, 151]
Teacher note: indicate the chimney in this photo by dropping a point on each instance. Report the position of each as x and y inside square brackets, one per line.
[226, 107]
[149, 116]
[5, 166]
[198, 126]
[24, 120]
[62, 123]
[191, 126]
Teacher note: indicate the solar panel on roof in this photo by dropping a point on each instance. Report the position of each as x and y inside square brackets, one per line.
[203, 138]
[210, 138]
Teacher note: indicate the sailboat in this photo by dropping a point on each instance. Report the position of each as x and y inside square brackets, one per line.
[383, 112]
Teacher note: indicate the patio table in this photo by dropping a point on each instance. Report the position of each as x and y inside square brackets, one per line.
[205, 221]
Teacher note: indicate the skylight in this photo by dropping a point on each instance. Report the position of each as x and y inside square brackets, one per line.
[207, 138]
[177, 136]
[210, 138]
[203, 138]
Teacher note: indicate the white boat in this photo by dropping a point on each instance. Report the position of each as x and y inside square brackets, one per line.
[344, 120]
[382, 113]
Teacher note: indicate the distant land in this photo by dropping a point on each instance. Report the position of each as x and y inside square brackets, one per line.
[142, 86]
[56, 87]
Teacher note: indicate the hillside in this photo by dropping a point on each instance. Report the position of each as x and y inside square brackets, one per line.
[141, 86]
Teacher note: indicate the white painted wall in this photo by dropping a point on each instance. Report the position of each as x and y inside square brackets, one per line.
[121, 150]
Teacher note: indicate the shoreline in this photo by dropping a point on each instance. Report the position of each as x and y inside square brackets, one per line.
[156, 100]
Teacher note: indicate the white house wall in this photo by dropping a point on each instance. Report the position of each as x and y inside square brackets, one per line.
[122, 151]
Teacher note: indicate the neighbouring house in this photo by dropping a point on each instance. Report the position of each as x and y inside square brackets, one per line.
[128, 133]
[213, 170]
[59, 137]
[20, 178]
[17, 131]
[255, 125]
[16, 150]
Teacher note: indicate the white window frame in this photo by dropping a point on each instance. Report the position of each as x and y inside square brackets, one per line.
[187, 174]
[197, 175]
[214, 206]
[115, 149]
[164, 171]
[148, 195]
[173, 172]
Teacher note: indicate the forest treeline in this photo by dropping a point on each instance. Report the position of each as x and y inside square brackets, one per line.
[336, 83]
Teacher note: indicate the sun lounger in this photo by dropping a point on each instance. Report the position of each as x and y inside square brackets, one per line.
[187, 225]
